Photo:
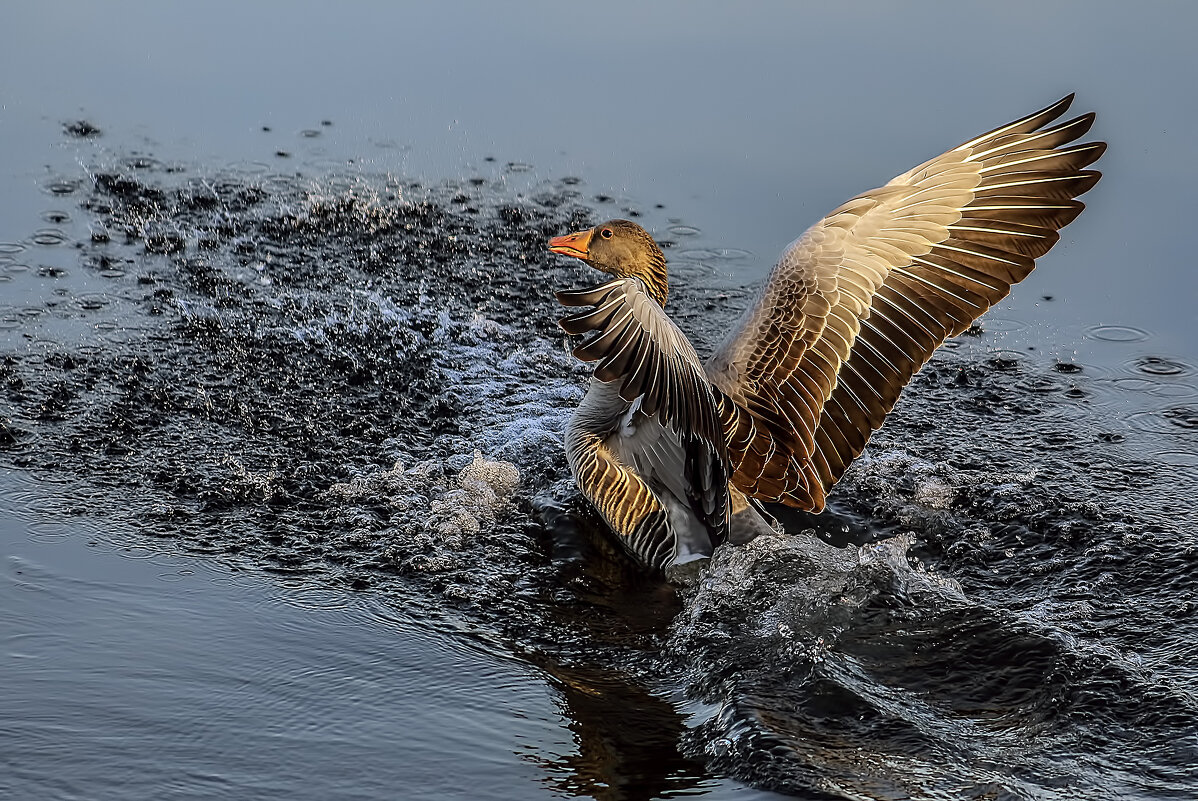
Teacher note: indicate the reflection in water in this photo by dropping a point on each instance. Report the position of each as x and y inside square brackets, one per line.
[628, 740]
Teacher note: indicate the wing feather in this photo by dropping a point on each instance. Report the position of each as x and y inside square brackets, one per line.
[860, 301]
[635, 345]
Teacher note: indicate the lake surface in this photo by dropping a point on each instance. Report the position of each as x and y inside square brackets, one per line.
[283, 509]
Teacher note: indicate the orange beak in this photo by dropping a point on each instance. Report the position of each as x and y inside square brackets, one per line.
[577, 245]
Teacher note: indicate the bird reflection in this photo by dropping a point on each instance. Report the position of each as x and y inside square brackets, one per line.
[628, 740]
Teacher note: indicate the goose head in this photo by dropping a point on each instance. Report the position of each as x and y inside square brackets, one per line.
[620, 248]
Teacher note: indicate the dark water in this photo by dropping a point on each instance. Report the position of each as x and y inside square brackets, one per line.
[285, 509]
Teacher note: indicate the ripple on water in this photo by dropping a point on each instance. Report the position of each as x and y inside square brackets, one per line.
[1156, 387]
[251, 167]
[135, 551]
[1001, 325]
[1007, 361]
[48, 237]
[1117, 333]
[1178, 458]
[92, 301]
[684, 230]
[56, 217]
[10, 248]
[1170, 420]
[1045, 384]
[309, 595]
[58, 530]
[176, 576]
[698, 254]
[142, 163]
[1158, 365]
[63, 186]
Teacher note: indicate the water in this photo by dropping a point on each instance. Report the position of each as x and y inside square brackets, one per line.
[285, 508]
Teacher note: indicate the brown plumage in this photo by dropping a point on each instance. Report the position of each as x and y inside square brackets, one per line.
[854, 307]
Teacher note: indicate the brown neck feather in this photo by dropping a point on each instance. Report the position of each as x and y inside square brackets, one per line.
[654, 277]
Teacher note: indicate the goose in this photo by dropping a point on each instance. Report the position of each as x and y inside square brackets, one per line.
[678, 455]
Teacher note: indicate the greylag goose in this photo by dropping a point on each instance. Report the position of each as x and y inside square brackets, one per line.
[677, 455]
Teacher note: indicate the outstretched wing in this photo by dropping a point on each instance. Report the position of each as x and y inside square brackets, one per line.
[638, 347]
[860, 301]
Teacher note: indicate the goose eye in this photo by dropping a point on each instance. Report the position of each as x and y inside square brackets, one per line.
[606, 233]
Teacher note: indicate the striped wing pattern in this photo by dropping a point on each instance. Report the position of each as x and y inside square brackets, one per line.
[637, 348]
[859, 303]
[629, 506]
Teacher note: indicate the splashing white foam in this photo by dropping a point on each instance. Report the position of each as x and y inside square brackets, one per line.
[484, 489]
[445, 510]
